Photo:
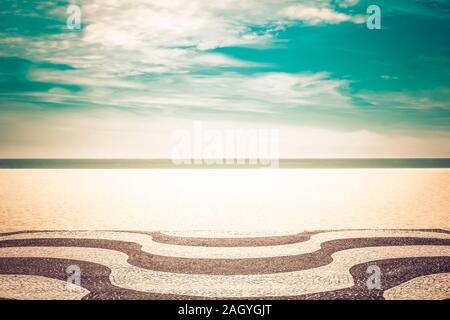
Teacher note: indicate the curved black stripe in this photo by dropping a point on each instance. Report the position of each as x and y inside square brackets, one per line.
[231, 242]
[95, 278]
[228, 266]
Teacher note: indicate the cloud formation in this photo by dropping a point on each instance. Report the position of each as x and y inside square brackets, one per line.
[308, 62]
[167, 36]
[152, 55]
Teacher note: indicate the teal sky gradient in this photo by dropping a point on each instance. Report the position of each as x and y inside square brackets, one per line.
[299, 64]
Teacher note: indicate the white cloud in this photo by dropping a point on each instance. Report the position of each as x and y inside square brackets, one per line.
[79, 77]
[347, 3]
[421, 100]
[170, 40]
[159, 36]
[313, 15]
[265, 93]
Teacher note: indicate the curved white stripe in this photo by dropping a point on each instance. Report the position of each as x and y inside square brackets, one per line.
[430, 287]
[27, 287]
[198, 252]
[330, 277]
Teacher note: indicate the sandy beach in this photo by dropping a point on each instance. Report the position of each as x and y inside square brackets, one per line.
[225, 234]
[242, 201]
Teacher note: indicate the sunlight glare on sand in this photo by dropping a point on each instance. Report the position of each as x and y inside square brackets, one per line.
[254, 200]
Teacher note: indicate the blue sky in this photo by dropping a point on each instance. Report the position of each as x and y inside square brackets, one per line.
[135, 72]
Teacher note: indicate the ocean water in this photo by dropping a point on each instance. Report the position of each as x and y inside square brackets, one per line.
[169, 164]
[240, 200]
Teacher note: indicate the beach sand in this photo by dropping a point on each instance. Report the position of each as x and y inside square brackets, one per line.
[266, 201]
[225, 234]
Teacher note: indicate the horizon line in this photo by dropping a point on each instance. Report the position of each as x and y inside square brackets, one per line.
[164, 163]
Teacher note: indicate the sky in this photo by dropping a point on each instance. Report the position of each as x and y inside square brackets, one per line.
[135, 72]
